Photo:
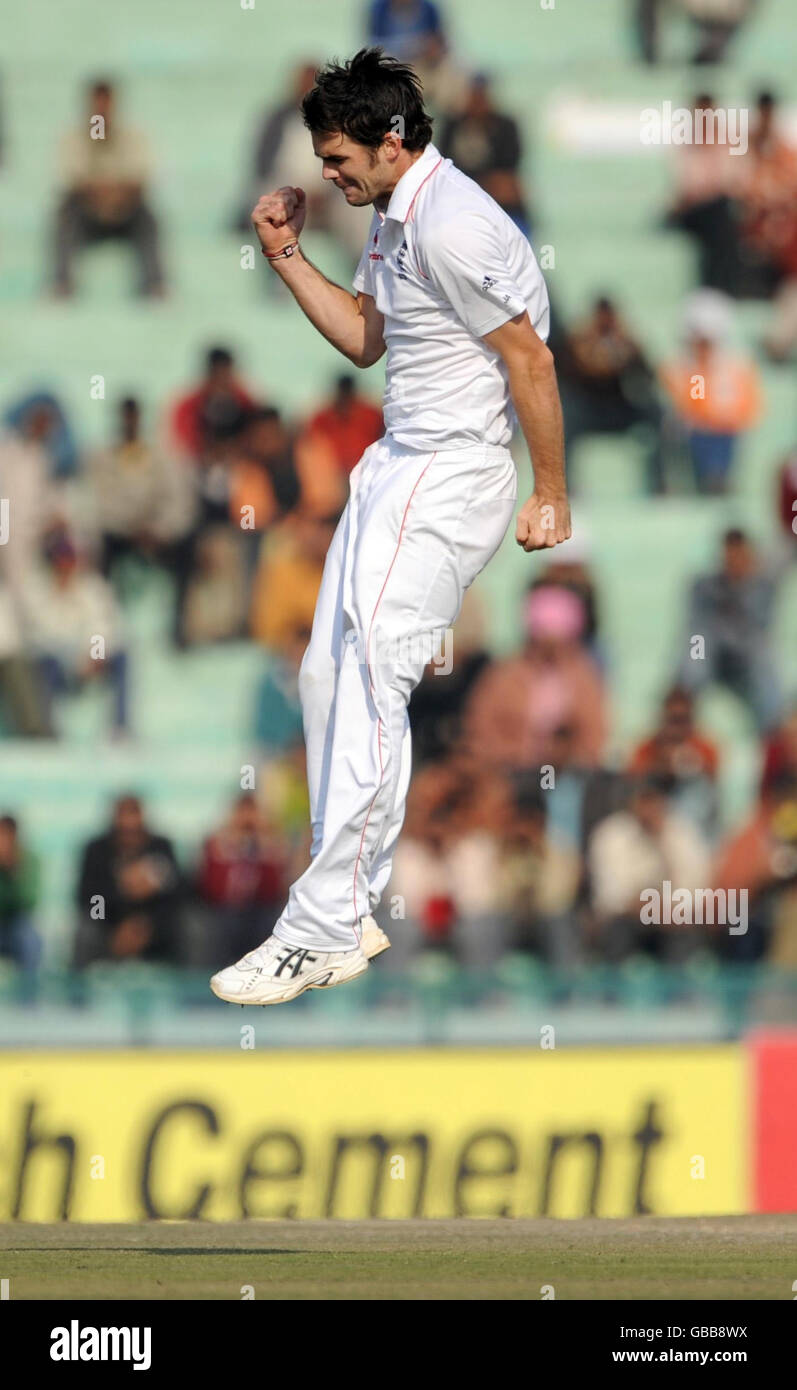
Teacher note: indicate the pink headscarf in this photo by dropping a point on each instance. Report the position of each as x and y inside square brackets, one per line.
[553, 612]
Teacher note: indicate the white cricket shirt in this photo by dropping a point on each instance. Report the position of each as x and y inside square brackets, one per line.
[445, 265]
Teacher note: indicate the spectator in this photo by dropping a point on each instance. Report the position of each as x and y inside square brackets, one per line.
[568, 567]
[55, 435]
[74, 627]
[769, 227]
[278, 710]
[19, 894]
[646, 19]
[404, 28]
[682, 760]
[768, 195]
[285, 800]
[105, 170]
[129, 892]
[729, 638]
[446, 863]
[145, 503]
[438, 701]
[216, 410]
[717, 21]
[715, 396]
[485, 144]
[608, 386]
[216, 593]
[348, 424]
[323, 487]
[761, 860]
[289, 577]
[264, 479]
[275, 468]
[277, 133]
[264, 474]
[21, 703]
[283, 154]
[704, 206]
[413, 31]
[242, 881]
[520, 707]
[636, 849]
[32, 500]
[538, 882]
[780, 753]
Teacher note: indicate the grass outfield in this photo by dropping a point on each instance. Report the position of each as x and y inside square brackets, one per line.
[745, 1257]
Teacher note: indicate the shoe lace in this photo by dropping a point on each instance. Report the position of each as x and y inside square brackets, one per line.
[261, 954]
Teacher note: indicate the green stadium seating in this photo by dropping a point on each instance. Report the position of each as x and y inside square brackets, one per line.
[194, 75]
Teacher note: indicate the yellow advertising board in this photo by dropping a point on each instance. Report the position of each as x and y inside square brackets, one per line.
[123, 1136]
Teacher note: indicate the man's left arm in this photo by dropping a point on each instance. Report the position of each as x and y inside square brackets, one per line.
[544, 520]
[466, 263]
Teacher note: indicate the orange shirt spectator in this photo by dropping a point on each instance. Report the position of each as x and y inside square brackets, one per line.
[264, 474]
[695, 754]
[323, 486]
[251, 486]
[713, 391]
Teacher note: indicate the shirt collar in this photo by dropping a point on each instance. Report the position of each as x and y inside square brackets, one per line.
[403, 195]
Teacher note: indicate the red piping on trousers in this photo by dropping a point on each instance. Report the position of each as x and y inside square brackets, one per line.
[371, 683]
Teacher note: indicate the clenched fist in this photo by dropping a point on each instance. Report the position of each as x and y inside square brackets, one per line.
[543, 523]
[279, 217]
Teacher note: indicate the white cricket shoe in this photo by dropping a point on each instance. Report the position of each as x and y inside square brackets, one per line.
[373, 939]
[276, 972]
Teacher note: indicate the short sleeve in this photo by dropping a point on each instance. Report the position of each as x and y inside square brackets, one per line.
[466, 263]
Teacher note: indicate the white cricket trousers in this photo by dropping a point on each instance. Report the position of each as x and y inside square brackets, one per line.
[416, 531]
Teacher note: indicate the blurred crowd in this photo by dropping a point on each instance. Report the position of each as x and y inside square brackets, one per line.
[522, 833]
[233, 502]
[714, 25]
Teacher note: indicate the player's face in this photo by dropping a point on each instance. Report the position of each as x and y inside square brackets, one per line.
[361, 174]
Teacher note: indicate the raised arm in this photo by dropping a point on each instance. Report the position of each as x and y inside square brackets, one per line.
[351, 324]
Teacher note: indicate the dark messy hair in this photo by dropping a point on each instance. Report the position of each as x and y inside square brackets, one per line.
[362, 98]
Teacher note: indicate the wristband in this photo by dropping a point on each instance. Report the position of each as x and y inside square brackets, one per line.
[286, 251]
